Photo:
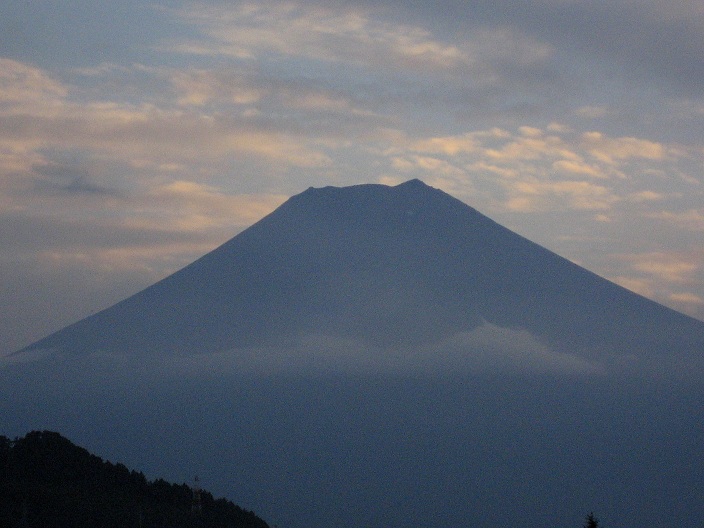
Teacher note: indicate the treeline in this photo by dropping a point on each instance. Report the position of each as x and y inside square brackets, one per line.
[46, 481]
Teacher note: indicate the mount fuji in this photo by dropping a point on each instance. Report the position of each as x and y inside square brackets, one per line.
[386, 356]
[388, 267]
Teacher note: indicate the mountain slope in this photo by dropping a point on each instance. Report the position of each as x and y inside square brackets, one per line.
[387, 267]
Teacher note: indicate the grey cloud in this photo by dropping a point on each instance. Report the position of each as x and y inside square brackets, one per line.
[650, 41]
[70, 179]
[621, 53]
[36, 232]
[486, 349]
[513, 61]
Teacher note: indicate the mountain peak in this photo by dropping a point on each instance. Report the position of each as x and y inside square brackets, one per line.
[413, 184]
[410, 185]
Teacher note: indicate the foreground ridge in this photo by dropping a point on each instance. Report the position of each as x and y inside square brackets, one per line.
[46, 480]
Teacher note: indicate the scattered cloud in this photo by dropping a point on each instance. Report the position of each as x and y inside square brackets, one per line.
[200, 87]
[27, 89]
[669, 278]
[608, 150]
[642, 287]
[246, 31]
[646, 196]
[199, 207]
[534, 196]
[687, 298]
[665, 267]
[450, 145]
[691, 219]
[353, 35]
[490, 347]
[578, 168]
[543, 169]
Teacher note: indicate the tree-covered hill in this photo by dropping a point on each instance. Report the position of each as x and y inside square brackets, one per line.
[47, 481]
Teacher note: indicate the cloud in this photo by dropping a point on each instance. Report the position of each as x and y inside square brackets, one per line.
[58, 268]
[198, 207]
[490, 347]
[640, 286]
[247, 30]
[450, 145]
[529, 196]
[52, 257]
[608, 150]
[39, 114]
[692, 219]
[24, 88]
[486, 349]
[672, 278]
[149, 133]
[578, 168]
[547, 169]
[663, 266]
[531, 147]
[177, 217]
[538, 170]
[200, 87]
[653, 41]
[687, 298]
[592, 112]
[69, 178]
[358, 36]
[646, 196]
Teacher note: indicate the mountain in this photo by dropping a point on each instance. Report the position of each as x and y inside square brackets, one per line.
[46, 480]
[386, 357]
[386, 267]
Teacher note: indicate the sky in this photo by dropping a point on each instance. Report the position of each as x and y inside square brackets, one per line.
[136, 136]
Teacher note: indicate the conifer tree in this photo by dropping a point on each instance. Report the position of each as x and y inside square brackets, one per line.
[591, 521]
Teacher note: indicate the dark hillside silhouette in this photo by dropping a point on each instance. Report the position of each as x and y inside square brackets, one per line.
[47, 481]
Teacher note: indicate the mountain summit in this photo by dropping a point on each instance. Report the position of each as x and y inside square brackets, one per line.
[401, 266]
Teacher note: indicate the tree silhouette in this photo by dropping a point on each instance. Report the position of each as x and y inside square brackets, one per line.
[45, 480]
[591, 521]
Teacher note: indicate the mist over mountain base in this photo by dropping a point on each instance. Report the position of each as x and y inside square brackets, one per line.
[391, 450]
